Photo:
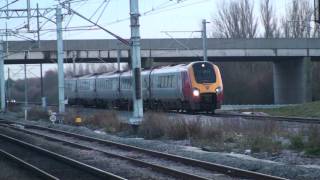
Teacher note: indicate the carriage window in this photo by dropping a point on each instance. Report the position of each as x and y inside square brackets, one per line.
[126, 83]
[171, 81]
[167, 81]
[108, 84]
[204, 73]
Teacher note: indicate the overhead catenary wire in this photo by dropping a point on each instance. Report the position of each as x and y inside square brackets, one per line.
[8, 4]
[109, 32]
[160, 9]
[95, 12]
[104, 8]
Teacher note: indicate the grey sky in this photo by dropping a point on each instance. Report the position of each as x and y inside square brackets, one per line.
[185, 16]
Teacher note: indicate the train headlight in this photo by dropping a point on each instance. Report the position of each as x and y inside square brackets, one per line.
[218, 90]
[196, 92]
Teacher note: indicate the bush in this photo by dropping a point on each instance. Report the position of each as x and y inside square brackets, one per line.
[267, 144]
[313, 144]
[297, 142]
[37, 113]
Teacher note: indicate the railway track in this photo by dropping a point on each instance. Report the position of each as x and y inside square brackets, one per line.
[273, 118]
[158, 161]
[48, 164]
[31, 168]
[304, 120]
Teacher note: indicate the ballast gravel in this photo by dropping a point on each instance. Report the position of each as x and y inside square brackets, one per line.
[12, 171]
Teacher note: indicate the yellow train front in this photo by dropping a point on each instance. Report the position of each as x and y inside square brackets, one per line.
[202, 86]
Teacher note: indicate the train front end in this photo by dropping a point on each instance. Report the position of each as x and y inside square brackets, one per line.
[206, 86]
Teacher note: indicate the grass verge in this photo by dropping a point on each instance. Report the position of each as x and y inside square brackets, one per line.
[311, 110]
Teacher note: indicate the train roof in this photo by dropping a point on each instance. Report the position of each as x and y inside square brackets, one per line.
[171, 68]
[158, 69]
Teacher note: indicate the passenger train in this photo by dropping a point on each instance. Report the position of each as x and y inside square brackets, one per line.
[196, 86]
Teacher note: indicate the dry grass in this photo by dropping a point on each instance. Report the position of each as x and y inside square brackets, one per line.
[37, 113]
[107, 120]
[307, 140]
[158, 125]
[214, 134]
[14, 107]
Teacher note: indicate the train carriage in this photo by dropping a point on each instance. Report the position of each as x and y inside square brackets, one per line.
[70, 90]
[196, 86]
[165, 89]
[107, 89]
[86, 90]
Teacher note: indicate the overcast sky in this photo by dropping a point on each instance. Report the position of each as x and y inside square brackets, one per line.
[156, 16]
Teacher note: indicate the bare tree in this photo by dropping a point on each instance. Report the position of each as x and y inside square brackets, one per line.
[269, 20]
[297, 21]
[236, 20]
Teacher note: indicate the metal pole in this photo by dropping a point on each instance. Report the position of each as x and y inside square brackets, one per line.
[60, 60]
[38, 25]
[41, 80]
[136, 63]
[204, 39]
[28, 14]
[43, 98]
[8, 86]
[118, 58]
[26, 56]
[2, 82]
[74, 63]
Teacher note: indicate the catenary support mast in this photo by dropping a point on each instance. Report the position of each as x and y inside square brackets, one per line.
[204, 39]
[60, 60]
[2, 82]
[136, 62]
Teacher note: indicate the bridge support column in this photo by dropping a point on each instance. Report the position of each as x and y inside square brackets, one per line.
[292, 81]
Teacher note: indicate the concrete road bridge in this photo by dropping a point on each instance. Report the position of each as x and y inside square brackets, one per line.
[292, 58]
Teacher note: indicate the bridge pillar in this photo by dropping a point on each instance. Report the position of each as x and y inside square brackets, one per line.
[292, 81]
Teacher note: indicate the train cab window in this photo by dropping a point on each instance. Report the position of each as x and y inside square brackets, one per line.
[204, 73]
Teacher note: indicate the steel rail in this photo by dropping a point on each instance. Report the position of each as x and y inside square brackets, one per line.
[305, 120]
[165, 170]
[28, 166]
[227, 170]
[274, 118]
[61, 158]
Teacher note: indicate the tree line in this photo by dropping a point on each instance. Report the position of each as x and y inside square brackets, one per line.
[238, 19]
[252, 82]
